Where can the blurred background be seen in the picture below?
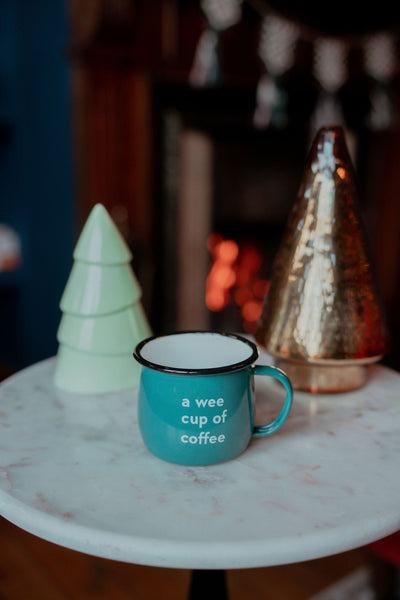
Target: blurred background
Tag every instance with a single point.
(190, 121)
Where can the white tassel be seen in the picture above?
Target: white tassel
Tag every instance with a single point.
(328, 111)
(330, 71)
(278, 39)
(205, 61)
(277, 43)
(220, 14)
(380, 64)
(330, 63)
(267, 98)
(380, 56)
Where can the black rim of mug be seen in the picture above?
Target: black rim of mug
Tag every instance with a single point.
(189, 371)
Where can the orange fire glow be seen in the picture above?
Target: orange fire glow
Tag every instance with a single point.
(234, 276)
(222, 275)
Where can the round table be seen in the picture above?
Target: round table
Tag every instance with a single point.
(74, 471)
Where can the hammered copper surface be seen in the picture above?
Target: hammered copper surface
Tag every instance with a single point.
(323, 303)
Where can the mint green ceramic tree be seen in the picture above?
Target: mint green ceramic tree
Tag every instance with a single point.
(103, 318)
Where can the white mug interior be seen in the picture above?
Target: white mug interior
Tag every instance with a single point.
(197, 351)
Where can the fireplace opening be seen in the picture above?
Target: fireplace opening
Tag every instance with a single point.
(223, 200)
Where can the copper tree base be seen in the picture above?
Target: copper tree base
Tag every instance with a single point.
(324, 379)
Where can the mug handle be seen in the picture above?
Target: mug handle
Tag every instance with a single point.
(262, 430)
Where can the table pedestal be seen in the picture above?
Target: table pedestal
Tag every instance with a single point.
(205, 583)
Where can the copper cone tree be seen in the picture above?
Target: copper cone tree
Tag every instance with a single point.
(322, 318)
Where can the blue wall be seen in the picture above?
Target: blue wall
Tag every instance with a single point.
(36, 183)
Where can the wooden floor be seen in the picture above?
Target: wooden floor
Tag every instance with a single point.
(33, 569)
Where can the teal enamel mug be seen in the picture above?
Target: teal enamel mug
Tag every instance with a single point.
(196, 397)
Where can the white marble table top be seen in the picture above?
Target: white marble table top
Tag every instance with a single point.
(74, 471)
